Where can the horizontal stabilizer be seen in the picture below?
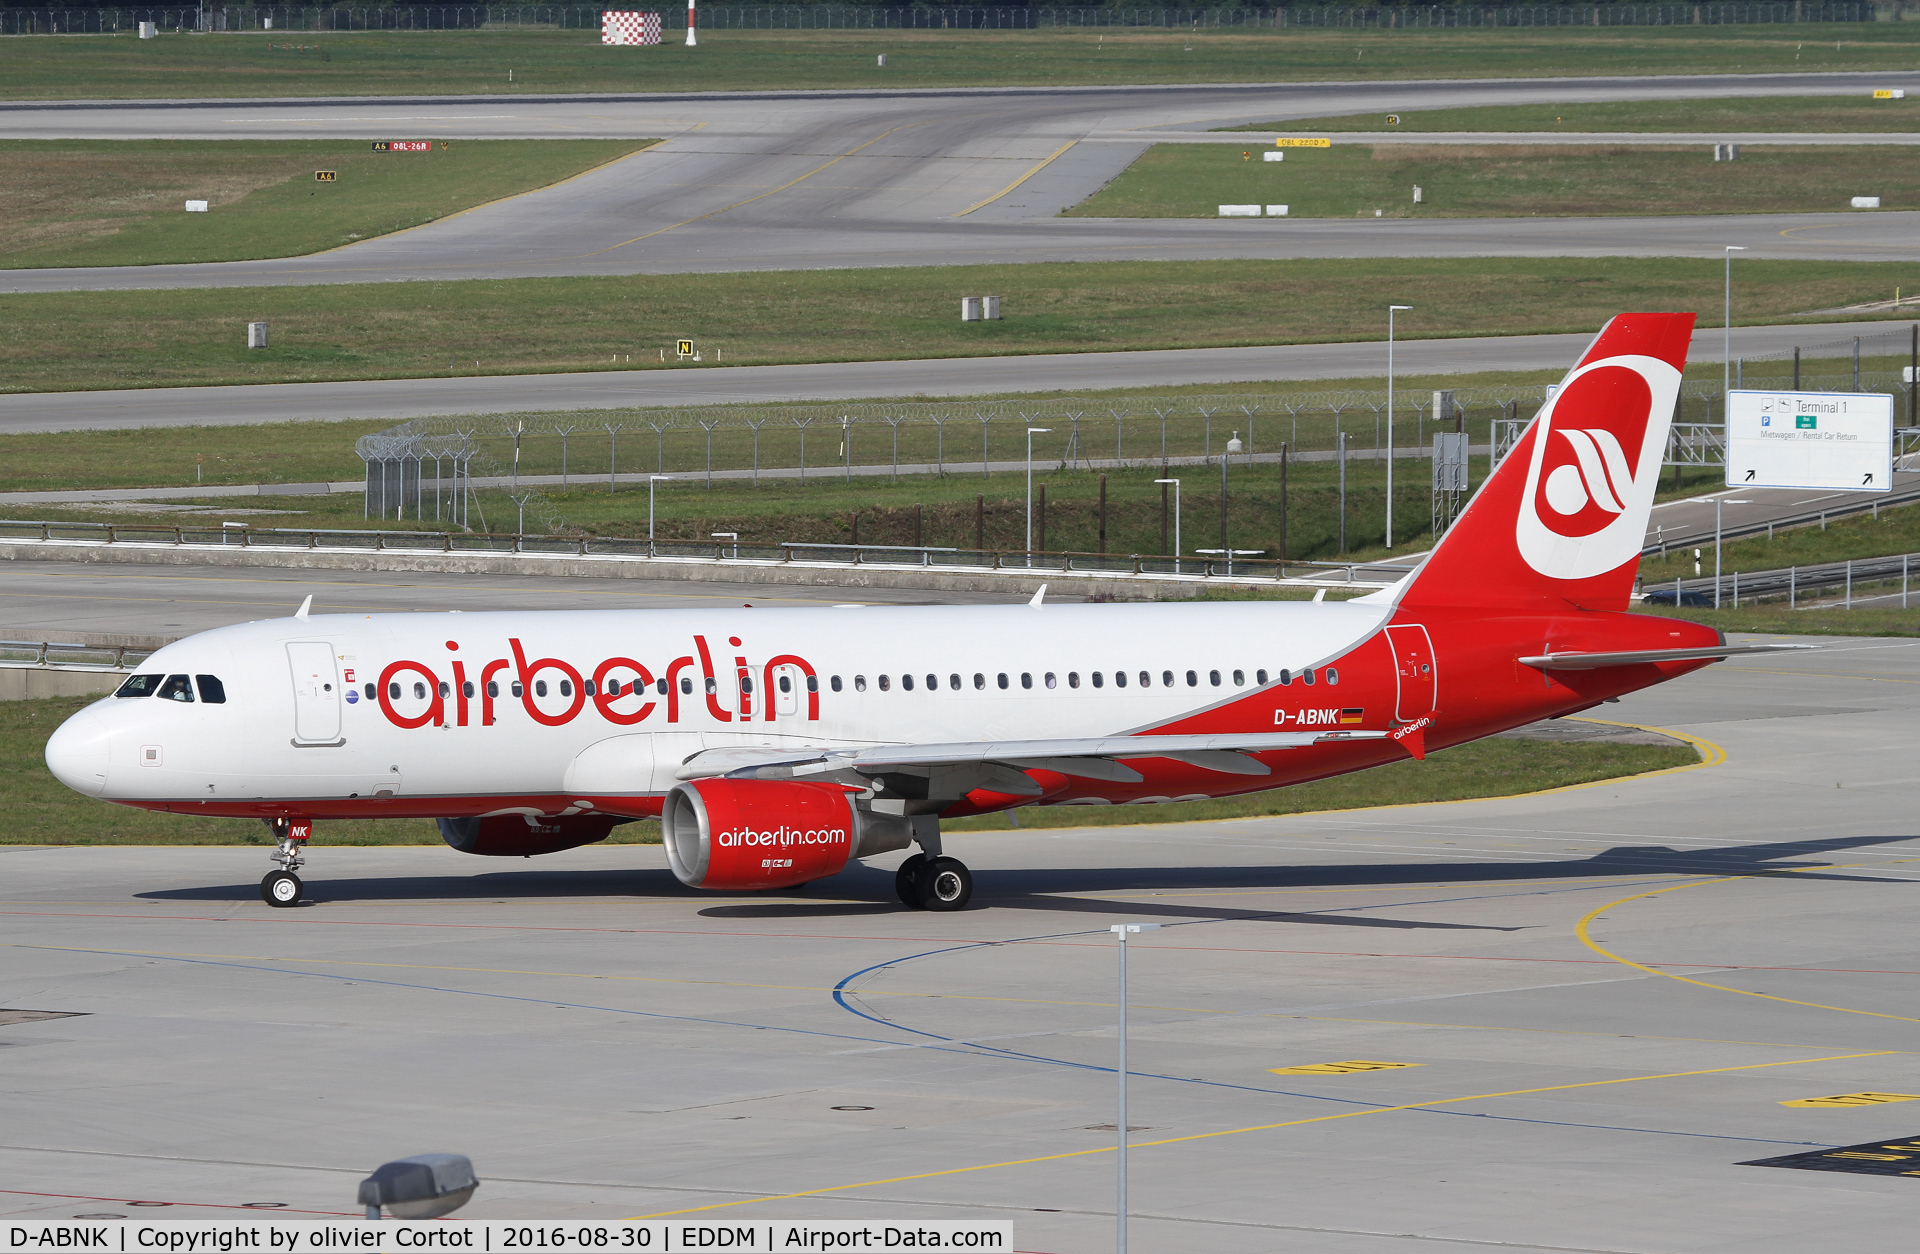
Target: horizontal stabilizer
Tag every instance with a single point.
(1638, 657)
(1097, 749)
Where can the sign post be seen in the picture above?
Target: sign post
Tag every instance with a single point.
(1787, 439)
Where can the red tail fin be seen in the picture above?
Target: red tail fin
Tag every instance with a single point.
(1563, 518)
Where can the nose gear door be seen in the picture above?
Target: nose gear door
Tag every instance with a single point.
(1414, 671)
(316, 693)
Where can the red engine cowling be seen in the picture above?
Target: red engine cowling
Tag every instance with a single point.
(744, 834)
(525, 835)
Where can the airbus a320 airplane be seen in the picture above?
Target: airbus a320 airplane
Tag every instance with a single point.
(776, 745)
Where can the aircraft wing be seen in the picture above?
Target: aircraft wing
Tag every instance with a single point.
(1635, 657)
(1094, 757)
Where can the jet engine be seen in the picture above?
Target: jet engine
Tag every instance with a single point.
(524, 835)
(744, 834)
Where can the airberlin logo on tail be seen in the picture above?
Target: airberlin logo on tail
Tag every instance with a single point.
(1595, 459)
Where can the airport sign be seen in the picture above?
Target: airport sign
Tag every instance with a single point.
(1840, 440)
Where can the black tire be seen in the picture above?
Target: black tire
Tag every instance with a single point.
(944, 884)
(281, 889)
(906, 882)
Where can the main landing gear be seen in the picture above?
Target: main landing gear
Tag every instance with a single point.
(282, 888)
(937, 883)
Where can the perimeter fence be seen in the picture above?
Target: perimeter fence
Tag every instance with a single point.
(311, 18)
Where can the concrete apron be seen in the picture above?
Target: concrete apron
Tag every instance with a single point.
(1063, 583)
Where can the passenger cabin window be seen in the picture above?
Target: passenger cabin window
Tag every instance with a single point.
(933, 683)
(1051, 681)
(1119, 679)
(393, 692)
(1286, 677)
(493, 690)
(466, 690)
(517, 689)
(176, 688)
(1001, 679)
(686, 687)
(953, 682)
(1099, 681)
(1073, 679)
(1260, 677)
(786, 684)
(859, 683)
(420, 692)
(1333, 676)
(834, 683)
(1193, 679)
(212, 691)
(1239, 677)
(813, 683)
(1026, 679)
(446, 690)
(1146, 679)
(1306, 677)
(979, 680)
(1166, 679)
(1213, 677)
(886, 682)
(906, 683)
(139, 686)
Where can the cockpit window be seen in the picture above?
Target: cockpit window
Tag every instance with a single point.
(212, 691)
(176, 688)
(139, 686)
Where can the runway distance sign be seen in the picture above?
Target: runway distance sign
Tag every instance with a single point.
(1297, 142)
(403, 145)
(1841, 440)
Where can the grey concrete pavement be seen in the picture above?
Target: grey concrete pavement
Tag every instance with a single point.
(605, 1043)
(400, 399)
(816, 180)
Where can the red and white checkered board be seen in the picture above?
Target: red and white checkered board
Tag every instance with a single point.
(629, 28)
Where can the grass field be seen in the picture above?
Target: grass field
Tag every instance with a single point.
(63, 341)
(1503, 180)
(1755, 114)
(1771, 620)
(1894, 531)
(41, 811)
(469, 62)
(117, 202)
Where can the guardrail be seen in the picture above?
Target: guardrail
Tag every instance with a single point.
(782, 553)
(53, 653)
(1793, 582)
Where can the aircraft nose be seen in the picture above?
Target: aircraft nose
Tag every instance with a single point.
(77, 753)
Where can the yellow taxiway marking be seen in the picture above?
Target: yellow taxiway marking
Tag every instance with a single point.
(1263, 1127)
(1872, 679)
(1581, 930)
(1855, 1099)
(1341, 1068)
(1023, 178)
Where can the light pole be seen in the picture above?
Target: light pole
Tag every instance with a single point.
(1031, 432)
(1176, 521)
(651, 481)
(1391, 310)
(1717, 503)
(1122, 931)
(1233, 446)
(1726, 327)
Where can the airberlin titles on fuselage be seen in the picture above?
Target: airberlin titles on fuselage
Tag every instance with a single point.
(623, 690)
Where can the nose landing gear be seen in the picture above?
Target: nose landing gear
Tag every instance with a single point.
(282, 888)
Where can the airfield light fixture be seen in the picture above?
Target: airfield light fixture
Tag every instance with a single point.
(1031, 432)
(1726, 325)
(1121, 931)
(1391, 310)
(425, 1186)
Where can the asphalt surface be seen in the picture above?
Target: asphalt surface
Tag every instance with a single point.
(400, 399)
(605, 1043)
(774, 181)
(74, 601)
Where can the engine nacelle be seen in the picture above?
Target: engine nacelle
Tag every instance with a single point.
(744, 834)
(525, 835)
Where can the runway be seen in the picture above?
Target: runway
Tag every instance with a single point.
(774, 181)
(1582, 1013)
(401, 399)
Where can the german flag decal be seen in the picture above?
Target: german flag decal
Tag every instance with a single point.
(1353, 716)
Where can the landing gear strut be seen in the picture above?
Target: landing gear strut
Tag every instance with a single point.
(282, 888)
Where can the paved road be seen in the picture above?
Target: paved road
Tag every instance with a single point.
(813, 180)
(1559, 1096)
(400, 399)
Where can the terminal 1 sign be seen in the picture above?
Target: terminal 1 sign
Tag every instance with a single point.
(1841, 440)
